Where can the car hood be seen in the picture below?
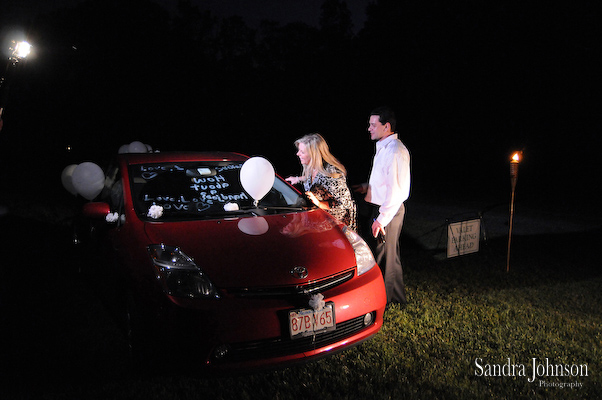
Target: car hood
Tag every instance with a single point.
(260, 251)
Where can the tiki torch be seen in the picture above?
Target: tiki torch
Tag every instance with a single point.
(514, 160)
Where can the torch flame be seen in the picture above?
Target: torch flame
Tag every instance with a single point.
(516, 157)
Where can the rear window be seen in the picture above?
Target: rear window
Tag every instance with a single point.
(193, 190)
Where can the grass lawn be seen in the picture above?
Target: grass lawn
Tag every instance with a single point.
(467, 323)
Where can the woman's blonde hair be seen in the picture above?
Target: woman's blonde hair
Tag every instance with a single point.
(320, 155)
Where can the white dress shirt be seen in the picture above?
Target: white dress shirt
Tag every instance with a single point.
(389, 184)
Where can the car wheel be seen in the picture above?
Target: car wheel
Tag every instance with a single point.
(138, 337)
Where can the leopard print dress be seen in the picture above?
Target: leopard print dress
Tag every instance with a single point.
(336, 192)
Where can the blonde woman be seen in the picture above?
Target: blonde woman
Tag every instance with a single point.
(325, 179)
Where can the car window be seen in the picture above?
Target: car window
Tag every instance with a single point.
(201, 190)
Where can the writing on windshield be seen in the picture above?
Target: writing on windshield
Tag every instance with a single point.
(191, 190)
(188, 188)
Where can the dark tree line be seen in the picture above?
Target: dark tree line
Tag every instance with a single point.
(469, 79)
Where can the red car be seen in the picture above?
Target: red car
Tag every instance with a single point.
(205, 273)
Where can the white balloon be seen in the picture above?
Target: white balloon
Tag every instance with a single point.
(257, 177)
(125, 148)
(88, 179)
(67, 178)
(138, 147)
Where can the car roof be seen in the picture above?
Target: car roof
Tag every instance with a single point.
(180, 156)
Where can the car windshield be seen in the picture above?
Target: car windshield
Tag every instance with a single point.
(197, 190)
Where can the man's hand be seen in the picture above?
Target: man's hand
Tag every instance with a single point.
(362, 188)
(377, 228)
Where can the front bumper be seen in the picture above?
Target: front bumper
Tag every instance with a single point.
(237, 332)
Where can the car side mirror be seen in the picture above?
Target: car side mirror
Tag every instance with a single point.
(96, 210)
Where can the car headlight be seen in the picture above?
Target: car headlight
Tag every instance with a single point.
(179, 274)
(363, 255)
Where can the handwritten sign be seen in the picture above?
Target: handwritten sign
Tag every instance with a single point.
(463, 237)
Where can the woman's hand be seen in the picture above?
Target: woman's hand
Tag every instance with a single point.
(313, 198)
(322, 204)
(293, 180)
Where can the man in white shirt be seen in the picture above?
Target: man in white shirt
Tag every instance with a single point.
(387, 189)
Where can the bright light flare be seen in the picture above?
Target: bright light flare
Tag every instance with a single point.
(21, 50)
(516, 157)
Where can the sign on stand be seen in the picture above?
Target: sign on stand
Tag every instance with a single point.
(463, 237)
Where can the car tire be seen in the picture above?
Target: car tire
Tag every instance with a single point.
(138, 335)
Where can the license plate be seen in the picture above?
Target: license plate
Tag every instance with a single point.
(307, 322)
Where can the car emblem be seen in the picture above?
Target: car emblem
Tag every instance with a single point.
(299, 272)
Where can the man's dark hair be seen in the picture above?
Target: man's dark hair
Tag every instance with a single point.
(385, 114)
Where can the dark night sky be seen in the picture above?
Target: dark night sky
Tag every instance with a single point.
(284, 11)
(253, 11)
(470, 82)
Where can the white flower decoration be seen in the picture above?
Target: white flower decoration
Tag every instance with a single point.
(112, 217)
(316, 301)
(155, 211)
(231, 207)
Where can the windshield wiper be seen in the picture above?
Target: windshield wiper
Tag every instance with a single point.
(233, 213)
(283, 208)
